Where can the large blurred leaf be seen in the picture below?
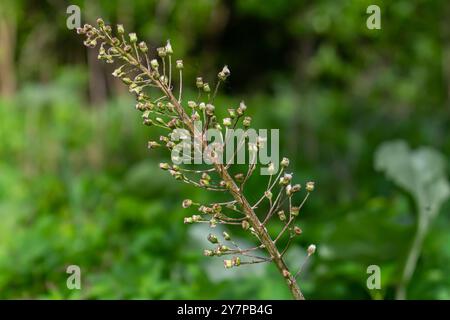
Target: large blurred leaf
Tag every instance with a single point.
(421, 172)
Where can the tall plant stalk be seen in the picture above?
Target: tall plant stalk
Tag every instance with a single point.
(140, 74)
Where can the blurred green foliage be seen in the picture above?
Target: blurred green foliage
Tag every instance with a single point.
(78, 185)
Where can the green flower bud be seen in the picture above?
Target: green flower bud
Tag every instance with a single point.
(164, 166)
(161, 52)
(120, 29)
(199, 82)
(148, 122)
(143, 47)
(224, 74)
(210, 109)
(226, 236)
(208, 253)
(100, 22)
(212, 238)
(271, 169)
(188, 220)
(153, 145)
(168, 48)
(192, 104)
(245, 225)
(284, 180)
(281, 215)
(228, 264)
(133, 37)
(247, 121)
(180, 64)
(227, 122)
(311, 250)
(285, 162)
(310, 186)
(295, 211)
(154, 64)
(206, 87)
(241, 109)
(187, 203)
(127, 81)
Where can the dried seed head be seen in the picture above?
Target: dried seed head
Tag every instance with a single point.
(241, 109)
(210, 109)
(100, 22)
(169, 49)
(161, 52)
(247, 121)
(295, 211)
(311, 249)
(288, 190)
(154, 63)
(127, 81)
(192, 104)
(297, 230)
(212, 238)
(153, 145)
(239, 177)
(286, 273)
(228, 264)
(224, 74)
(286, 179)
(285, 162)
(310, 186)
(187, 203)
(143, 47)
(164, 166)
(195, 116)
(133, 37)
(271, 169)
(227, 122)
(199, 82)
(281, 215)
(217, 208)
(120, 29)
(148, 122)
(268, 194)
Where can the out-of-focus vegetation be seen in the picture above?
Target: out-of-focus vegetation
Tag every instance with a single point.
(78, 185)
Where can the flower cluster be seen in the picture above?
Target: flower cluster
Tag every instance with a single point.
(159, 97)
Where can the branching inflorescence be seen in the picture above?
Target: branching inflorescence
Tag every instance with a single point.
(162, 105)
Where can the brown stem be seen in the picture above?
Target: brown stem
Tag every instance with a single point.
(254, 221)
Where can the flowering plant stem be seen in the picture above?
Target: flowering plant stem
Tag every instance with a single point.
(234, 190)
(148, 76)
